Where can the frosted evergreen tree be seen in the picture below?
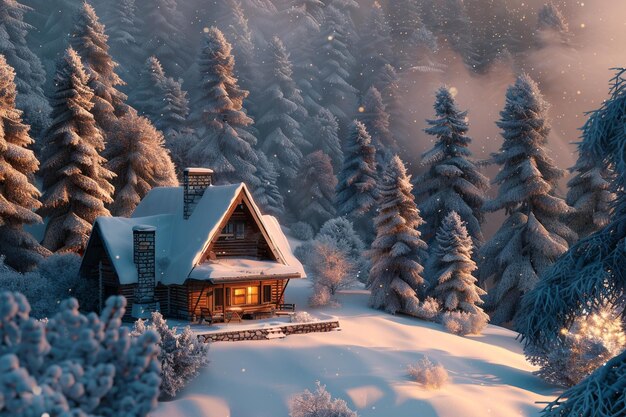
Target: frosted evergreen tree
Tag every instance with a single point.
(323, 130)
(589, 277)
(589, 195)
(374, 116)
(388, 84)
(454, 285)
(280, 109)
(533, 235)
(266, 194)
(304, 17)
(140, 161)
(374, 47)
(30, 75)
(19, 196)
(75, 182)
(312, 200)
(225, 143)
(90, 42)
(397, 252)
(123, 27)
(335, 63)
(242, 40)
(357, 188)
(453, 22)
(452, 181)
(551, 19)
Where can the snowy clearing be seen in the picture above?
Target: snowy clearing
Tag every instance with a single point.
(366, 364)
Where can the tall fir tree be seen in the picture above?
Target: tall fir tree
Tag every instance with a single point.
(225, 142)
(452, 181)
(374, 48)
(75, 182)
(357, 188)
(388, 84)
(30, 74)
(455, 286)
(141, 162)
(398, 251)
(267, 195)
(19, 196)
(313, 199)
(122, 26)
(373, 114)
(280, 111)
(589, 194)
(533, 236)
(323, 130)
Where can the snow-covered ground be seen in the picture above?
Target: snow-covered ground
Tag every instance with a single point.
(365, 364)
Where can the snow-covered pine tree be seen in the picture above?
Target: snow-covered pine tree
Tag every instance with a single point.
(452, 181)
(75, 182)
(303, 17)
(323, 130)
(312, 200)
(29, 72)
(335, 63)
(225, 143)
(357, 188)
(588, 278)
(18, 195)
(388, 84)
(533, 236)
(281, 109)
(589, 195)
(397, 252)
(266, 194)
(453, 22)
(454, 283)
(374, 116)
(122, 27)
(374, 48)
(90, 42)
(141, 162)
(551, 19)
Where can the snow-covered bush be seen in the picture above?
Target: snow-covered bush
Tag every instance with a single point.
(182, 355)
(587, 345)
(341, 231)
(426, 310)
(302, 317)
(462, 323)
(330, 269)
(430, 375)
(75, 365)
(320, 297)
(319, 404)
(302, 231)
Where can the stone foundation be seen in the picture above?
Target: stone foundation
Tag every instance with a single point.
(270, 333)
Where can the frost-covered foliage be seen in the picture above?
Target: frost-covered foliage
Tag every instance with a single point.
(589, 195)
(373, 114)
(551, 19)
(29, 73)
(323, 133)
(55, 279)
(357, 189)
(281, 109)
(374, 47)
(224, 141)
(461, 323)
(139, 159)
(266, 194)
(302, 231)
(341, 231)
(330, 269)
(319, 404)
(601, 394)
(302, 317)
(533, 236)
(397, 252)
(430, 375)
(75, 365)
(454, 284)
(182, 355)
(312, 200)
(590, 275)
(75, 182)
(588, 344)
(18, 194)
(452, 181)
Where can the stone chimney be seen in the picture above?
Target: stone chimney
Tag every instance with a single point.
(144, 243)
(195, 181)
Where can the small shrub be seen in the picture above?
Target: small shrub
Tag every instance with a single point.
(330, 269)
(320, 297)
(429, 374)
(464, 323)
(302, 317)
(319, 404)
(182, 355)
(302, 231)
(426, 310)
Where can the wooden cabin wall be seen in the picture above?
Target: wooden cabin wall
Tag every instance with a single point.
(253, 245)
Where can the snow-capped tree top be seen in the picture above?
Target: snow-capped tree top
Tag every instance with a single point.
(550, 17)
(396, 190)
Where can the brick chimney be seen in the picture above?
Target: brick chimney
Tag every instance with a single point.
(195, 181)
(144, 258)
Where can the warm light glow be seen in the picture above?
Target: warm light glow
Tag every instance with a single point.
(454, 91)
(361, 109)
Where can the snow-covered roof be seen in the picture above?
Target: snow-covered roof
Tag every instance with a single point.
(180, 243)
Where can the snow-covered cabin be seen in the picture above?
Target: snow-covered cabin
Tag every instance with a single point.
(192, 248)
